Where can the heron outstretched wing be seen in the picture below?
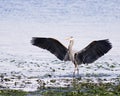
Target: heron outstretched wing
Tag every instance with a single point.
(93, 51)
(52, 45)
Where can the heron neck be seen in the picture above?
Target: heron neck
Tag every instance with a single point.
(70, 52)
(70, 45)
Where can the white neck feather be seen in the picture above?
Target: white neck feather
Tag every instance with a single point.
(70, 50)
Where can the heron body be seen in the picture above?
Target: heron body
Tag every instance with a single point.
(87, 55)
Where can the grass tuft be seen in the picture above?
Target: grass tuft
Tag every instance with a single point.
(12, 93)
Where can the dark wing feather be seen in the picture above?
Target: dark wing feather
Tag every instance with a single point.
(93, 51)
(52, 45)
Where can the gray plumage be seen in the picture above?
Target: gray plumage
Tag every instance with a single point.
(87, 55)
(52, 45)
(93, 51)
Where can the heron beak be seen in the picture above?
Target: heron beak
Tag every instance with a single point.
(67, 38)
(70, 38)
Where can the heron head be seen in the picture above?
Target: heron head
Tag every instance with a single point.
(70, 38)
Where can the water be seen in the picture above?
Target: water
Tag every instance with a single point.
(70, 11)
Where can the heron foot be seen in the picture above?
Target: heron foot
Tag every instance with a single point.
(76, 70)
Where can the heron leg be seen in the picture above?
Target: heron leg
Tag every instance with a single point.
(76, 70)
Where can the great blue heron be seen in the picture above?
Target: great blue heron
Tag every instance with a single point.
(87, 55)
